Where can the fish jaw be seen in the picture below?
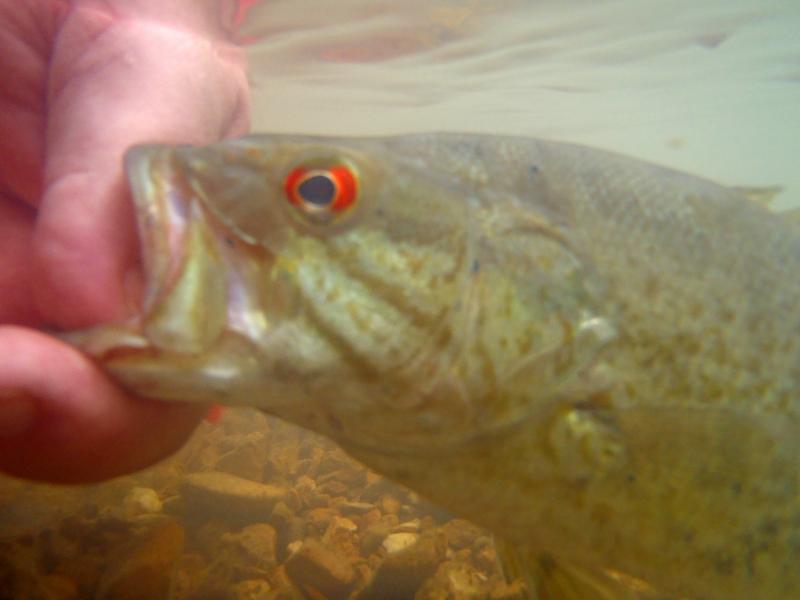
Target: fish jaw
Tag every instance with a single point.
(202, 304)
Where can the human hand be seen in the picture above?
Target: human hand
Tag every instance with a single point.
(83, 81)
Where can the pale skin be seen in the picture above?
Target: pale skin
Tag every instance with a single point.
(83, 81)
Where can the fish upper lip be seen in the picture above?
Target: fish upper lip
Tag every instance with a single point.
(194, 262)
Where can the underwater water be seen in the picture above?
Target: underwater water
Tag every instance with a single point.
(710, 88)
(251, 508)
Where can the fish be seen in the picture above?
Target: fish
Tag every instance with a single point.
(594, 357)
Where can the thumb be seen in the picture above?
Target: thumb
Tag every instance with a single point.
(115, 82)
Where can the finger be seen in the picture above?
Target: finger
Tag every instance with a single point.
(16, 287)
(25, 41)
(115, 83)
(63, 421)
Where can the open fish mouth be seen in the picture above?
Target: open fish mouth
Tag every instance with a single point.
(205, 290)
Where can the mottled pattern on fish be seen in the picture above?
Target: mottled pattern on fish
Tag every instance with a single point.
(596, 358)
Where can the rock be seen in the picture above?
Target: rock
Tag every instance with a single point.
(407, 512)
(203, 459)
(317, 569)
(352, 476)
(229, 497)
(351, 507)
(369, 518)
(292, 500)
(142, 501)
(342, 537)
(250, 589)
(318, 519)
(389, 505)
(344, 524)
(320, 500)
(373, 536)
(376, 487)
(454, 581)
(400, 574)
(253, 549)
(283, 588)
(306, 489)
(334, 488)
(244, 555)
(144, 570)
(460, 533)
(427, 522)
(412, 526)
(395, 542)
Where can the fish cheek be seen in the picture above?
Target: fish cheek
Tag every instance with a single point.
(192, 314)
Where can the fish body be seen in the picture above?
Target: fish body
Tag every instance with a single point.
(596, 358)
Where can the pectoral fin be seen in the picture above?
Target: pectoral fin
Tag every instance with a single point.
(549, 578)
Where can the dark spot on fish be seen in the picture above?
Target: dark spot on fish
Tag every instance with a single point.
(402, 474)
(533, 170)
(546, 563)
(688, 537)
(229, 242)
(309, 419)
(631, 478)
(334, 422)
(736, 488)
(475, 266)
(770, 528)
(724, 564)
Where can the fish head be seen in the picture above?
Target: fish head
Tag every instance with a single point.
(334, 283)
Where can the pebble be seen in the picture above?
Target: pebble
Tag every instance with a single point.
(253, 549)
(461, 533)
(355, 507)
(316, 568)
(230, 497)
(395, 542)
(389, 505)
(334, 530)
(142, 501)
(401, 573)
(412, 526)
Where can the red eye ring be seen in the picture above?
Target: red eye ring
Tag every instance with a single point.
(334, 189)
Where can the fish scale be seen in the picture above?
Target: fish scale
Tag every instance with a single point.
(594, 357)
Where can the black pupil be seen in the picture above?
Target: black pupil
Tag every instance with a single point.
(318, 190)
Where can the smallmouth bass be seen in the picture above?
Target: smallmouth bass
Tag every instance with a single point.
(596, 358)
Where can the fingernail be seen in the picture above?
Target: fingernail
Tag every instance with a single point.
(17, 413)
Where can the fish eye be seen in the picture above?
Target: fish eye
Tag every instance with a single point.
(322, 192)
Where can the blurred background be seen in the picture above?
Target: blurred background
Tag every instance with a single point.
(712, 88)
